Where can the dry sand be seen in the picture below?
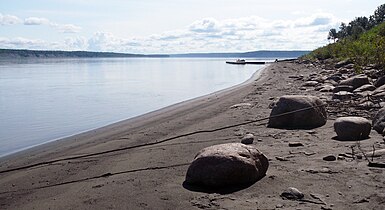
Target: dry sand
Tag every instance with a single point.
(151, 177)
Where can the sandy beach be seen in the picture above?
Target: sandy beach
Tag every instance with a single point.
(141, 163)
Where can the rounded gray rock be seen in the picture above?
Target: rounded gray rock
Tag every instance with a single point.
(248, 139)
(298, 111)
(356, 81)
(292, 193)
(329, 158)
(352, 128)
(227, 165)
(379, 121)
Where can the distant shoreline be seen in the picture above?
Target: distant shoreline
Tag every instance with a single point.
(25, 54)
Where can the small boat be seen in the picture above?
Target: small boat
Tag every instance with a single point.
(238, 61)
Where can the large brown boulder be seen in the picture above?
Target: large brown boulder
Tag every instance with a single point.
(227, 165)
(379, 121)
(352, 128)
(356, 81)
(298, 111)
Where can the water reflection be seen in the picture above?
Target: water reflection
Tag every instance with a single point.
(45, 99)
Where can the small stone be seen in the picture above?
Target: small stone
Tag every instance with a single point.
(364, 200)
(281, 159)
(248, 139)
(327, 88)
(363, 88)
(295, 144)
(310, 83)
(279, 206)
(342, 95)
(241, 105)
(329, 158)
(311, 132)
(292, 193)
(346, 88)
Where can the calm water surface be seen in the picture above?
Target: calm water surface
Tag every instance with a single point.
(49, 99)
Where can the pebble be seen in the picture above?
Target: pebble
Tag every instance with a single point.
(295, 144)
(281, 159)
(311, 132)
(248, 139)
(240, 105)
(279, 206)
(329, 158)
(292, 193)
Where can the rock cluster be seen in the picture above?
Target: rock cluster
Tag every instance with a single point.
(366, 89)
(350, 94)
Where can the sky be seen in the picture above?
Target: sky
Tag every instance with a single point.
(174, 26)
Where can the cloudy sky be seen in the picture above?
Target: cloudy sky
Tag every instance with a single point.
(174, 26)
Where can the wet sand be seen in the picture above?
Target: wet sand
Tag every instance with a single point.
(139, 164)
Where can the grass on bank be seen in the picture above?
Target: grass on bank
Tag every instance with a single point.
(368, 48)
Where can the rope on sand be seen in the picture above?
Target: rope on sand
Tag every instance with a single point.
(157, 142)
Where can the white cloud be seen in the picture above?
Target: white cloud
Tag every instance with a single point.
(22, 43)
(207, 25)
(211, 35)
(9, 20)
(68, 28)
(63, 28)
(76, 43)
(320, 19)
(206, 35)
(36, 21)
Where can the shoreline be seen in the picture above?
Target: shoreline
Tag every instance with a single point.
(144, 172)
(52, 143)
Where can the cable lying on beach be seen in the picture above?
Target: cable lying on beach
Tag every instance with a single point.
(158, 142)
(102, 176)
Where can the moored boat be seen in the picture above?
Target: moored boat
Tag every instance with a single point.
(238, 61)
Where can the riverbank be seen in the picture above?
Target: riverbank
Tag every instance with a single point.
(78, 173)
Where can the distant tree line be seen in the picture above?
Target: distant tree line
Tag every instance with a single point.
(358, 26)
(16, 53)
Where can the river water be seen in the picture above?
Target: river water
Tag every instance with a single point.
(46, 99)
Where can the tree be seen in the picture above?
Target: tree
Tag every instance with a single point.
(343, 31)
(333, 34)
(379, 15)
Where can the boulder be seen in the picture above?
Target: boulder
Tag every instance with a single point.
(303, 112)
(379, 121)
(227, 165)
(380, 81)
(352, 128)
(356, 81)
